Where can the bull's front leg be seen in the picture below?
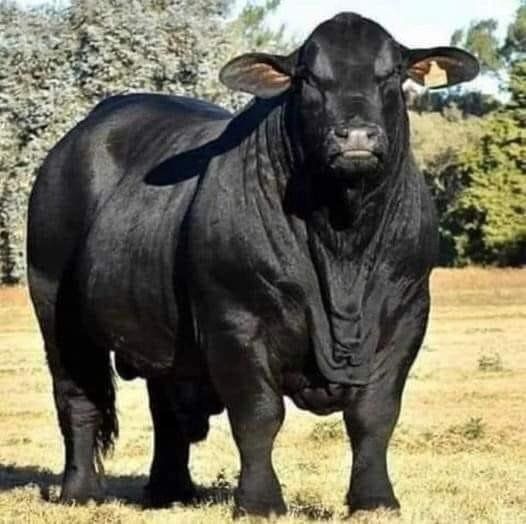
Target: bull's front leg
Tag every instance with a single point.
(370, 421)
(255, 409)
(373, 412)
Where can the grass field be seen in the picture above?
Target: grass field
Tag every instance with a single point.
(458, 454)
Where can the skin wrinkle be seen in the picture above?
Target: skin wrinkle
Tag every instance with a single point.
(337, 313)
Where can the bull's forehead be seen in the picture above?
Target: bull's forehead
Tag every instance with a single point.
(349, 42)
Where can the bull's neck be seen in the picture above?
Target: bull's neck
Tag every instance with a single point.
(347, 228)
(345, 225)
(345, 219)
(344, 228)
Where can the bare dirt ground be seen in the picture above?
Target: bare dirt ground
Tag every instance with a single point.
(458, 454)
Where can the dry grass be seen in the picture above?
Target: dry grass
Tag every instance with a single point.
(458, 455)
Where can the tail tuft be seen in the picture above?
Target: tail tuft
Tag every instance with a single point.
(108, 431)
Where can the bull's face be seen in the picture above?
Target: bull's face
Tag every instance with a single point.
(345, 90)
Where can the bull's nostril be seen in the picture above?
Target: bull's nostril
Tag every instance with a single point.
(341, 131)
(372, 133)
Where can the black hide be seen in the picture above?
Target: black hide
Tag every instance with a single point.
(234, 259)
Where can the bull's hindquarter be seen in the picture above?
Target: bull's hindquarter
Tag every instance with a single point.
(258, 302)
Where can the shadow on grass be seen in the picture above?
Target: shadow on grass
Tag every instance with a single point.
(124, 488)
(129, 489)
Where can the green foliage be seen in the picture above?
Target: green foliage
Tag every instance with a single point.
(516, 38)
(517, 88)
(438, 141)
(251, 26)
(481, 40)
(475, 169)
(478, 174)
(491, 211)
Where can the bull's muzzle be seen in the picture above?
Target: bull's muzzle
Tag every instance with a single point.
(357, 149)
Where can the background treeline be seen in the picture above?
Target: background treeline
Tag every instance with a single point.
(56, 63)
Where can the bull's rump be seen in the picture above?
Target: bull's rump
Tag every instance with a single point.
(119, 240)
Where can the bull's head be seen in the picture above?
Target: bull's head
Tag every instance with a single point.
(344, 87)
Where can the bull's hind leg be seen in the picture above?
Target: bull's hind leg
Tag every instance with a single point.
(84, 399)
(170, 479)
(83, 392)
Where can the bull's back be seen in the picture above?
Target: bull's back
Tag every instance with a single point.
(106, 214)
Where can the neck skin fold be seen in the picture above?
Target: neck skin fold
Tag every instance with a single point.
(346, 225)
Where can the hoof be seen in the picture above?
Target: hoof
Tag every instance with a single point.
(164, 495)
(81, 491)
(259, 507)
(373, 503)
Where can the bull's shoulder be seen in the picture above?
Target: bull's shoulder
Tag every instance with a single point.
(127, 137)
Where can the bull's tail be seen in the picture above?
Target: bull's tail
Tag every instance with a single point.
(108, 430)
(91, 370)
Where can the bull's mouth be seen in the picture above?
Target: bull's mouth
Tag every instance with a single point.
(358, 154)
(349, 162)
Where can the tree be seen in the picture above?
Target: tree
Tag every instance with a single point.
(476, 167)
(487, 219)
(481, 40)
(490, 212)
(515, 43)
(438, 142)
(34, 82)
(251, 28)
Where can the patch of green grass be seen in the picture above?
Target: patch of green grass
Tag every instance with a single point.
(471, 430)
(451, 439)
(491, 362)
(328, 430)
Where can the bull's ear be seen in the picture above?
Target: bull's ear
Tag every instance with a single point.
(260, 74)
(441, 66)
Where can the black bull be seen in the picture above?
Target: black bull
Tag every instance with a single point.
(232, 260)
